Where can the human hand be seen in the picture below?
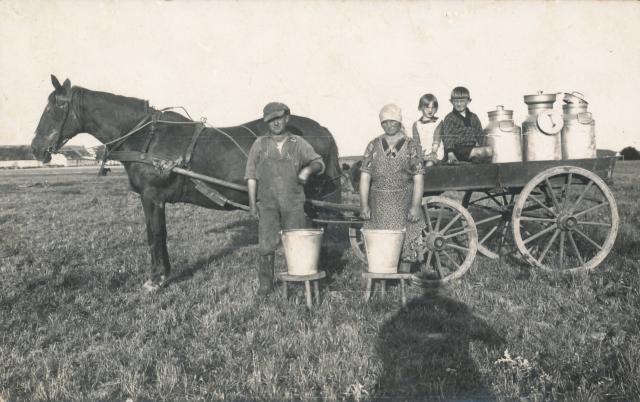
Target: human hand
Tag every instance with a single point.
(303, 176)
(365, 212)
(414, 214)
(451, 158)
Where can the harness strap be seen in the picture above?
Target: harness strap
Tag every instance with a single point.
(249, 130)
(232, 140)
(197, 130)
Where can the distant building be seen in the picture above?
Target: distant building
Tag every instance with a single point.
(78, 155)
(17, 157)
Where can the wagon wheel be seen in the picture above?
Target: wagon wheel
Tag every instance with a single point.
(357, 242)
(449, 241)
(492, 211)
(571, 218)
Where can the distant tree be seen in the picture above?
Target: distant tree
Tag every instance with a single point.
(630, 154)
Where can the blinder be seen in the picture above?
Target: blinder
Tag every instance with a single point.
(61, 109)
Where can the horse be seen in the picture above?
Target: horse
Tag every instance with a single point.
(151, 142)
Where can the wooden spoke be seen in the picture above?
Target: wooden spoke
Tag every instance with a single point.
(566, 190)
(457, 247)
(438, 265)
(604, 204)
(437, 227)
(429, 256)
(489, 219)
(454, 220)
(493, 229)
(561, 254)
(548, 246)
(494, 200)
(607, 225)
(542, 205)
(584, 192)
(426, 212)
(451, 259)
(540, 233)
(487, 208)
(575, 247)
(468, 230)
(587, 238)
(551, 194)
(535, 218)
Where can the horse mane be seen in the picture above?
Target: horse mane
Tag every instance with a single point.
(129, 102)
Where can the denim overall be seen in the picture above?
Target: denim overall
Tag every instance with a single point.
(280, 195)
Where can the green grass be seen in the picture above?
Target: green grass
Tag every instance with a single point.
(75, 325)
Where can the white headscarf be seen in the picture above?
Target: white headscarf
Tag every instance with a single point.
(391, 112)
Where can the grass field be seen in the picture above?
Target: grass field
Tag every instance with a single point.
(75, 325)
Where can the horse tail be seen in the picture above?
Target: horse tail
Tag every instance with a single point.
(332, 163)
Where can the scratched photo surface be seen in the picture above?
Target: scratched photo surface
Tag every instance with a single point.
(76, 323)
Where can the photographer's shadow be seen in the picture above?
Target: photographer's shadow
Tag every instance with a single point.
(426, 354)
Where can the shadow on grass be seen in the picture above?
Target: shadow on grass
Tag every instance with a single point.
(425, 351)
(241, 233)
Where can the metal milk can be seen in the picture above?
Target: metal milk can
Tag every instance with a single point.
(541, 129)
(503, 136)
(579, 131)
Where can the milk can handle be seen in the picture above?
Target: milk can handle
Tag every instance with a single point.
(585, 117)
(581, 95)
(506, 125)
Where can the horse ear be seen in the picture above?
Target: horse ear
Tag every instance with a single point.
(66, 85)
(56, 83)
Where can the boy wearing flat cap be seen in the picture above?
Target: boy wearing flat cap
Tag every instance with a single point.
(278, 166)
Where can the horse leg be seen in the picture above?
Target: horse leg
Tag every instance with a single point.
(157, 240)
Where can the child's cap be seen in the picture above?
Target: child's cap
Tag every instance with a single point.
(426, 100)
(460, 93)
(390, 112)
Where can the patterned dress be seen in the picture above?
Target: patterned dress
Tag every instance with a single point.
(392, 170)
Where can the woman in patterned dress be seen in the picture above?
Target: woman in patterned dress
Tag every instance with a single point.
(391, 183)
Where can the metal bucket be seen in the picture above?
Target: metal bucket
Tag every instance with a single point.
(383, 249)
(301, 250)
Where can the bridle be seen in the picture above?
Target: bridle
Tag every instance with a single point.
(62, 109)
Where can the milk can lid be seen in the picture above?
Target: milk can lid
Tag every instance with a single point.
(500, 112)
(539, 98)
(575, 98)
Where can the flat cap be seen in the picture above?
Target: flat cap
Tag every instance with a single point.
(274, 110)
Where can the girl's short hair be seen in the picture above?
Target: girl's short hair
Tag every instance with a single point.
(460, 92)
(426, 100)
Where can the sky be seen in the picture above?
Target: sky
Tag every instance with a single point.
(337, 62)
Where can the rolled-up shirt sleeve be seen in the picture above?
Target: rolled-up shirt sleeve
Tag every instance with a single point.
(252, 161)
(368, 158)
(307, 154)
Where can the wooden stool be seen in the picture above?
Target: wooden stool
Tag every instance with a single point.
(383, 277)
(286, 278)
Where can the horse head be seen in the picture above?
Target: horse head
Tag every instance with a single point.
(58, 124)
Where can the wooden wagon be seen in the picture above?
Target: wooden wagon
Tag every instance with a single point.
(556, 215)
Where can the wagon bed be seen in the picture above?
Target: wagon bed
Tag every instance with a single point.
(556, 215)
